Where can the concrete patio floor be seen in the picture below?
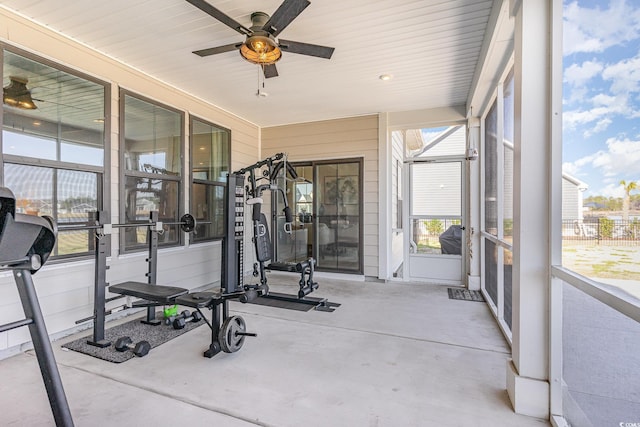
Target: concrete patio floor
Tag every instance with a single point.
(394, 354)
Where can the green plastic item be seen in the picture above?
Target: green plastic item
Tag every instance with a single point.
(171, 311)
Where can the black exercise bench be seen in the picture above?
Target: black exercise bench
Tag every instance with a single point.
(151, 295)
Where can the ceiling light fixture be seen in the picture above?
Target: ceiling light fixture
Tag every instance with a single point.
(17, 95)
(260, 47)
(261, 50)
(385, 77)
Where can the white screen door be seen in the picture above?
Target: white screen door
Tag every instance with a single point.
(436, 241)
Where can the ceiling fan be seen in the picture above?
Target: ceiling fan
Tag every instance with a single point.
(261, 45)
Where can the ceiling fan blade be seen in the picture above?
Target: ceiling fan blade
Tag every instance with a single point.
(219, 49)
(270, 71)
(306, 49)
(220, 16)
(286, 13)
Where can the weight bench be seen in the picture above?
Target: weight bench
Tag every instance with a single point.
(224, 336)
(153, 295)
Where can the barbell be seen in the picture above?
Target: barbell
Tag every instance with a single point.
(187, 224)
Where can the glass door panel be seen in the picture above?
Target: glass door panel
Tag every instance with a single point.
(326, 202)
(437, 238)
(297, 245)
(338, 213)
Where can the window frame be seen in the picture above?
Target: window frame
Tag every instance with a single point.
(208, 183)
(498, 239)
(103, 189)
(124, 173)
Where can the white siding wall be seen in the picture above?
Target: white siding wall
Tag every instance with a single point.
(66, 290)
(571, 200)
(337, 139)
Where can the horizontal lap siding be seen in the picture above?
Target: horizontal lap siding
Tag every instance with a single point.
(355, 137)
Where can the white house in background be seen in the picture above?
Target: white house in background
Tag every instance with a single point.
(572, 204)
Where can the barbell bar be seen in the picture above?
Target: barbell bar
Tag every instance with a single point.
(187, 224)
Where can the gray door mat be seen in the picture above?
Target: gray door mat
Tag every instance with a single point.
(465, 294)
(137, 331)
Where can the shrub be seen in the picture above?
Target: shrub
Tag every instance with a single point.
(606, 227)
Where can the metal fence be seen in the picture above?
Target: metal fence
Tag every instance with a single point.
(602, 231)
(427, 231)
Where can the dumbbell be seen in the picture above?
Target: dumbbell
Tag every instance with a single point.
(181, 321)
(140, 348)
(169, 320)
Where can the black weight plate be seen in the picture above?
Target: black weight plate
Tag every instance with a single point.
(187, 223)
(230, 340)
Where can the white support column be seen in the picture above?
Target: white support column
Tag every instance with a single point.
(473, 209)
(555, 214)
(384, 198)
(527, 373)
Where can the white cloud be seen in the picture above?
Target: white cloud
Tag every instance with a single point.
(620, 160)
(570, 168)
(601, 126)
(573, 119)
(578, 75)
(624, 75)
(594, 30)
(605, 106)
(613, 189)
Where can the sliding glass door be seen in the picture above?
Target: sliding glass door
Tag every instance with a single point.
(326, 200)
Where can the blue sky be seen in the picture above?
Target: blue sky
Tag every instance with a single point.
(601, 99)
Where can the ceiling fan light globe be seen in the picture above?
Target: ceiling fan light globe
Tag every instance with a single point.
(260, 50)
(17, 95)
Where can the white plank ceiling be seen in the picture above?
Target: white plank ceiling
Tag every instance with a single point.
(431, 47)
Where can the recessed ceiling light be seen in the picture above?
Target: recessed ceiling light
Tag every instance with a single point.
(202, 148)
(385, 77)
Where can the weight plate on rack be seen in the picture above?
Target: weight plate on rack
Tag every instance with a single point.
(231, 335)
(187, 223)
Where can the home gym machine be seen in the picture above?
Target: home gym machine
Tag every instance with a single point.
(269, 169)
(26, 241)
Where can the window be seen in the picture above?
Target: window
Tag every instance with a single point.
(151, 168)
(491, 170)
(210, 164)
(53, 144)
(498, 201)
(507, 146)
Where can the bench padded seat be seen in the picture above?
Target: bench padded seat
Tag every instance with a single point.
(199, 299)
(155, 293)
